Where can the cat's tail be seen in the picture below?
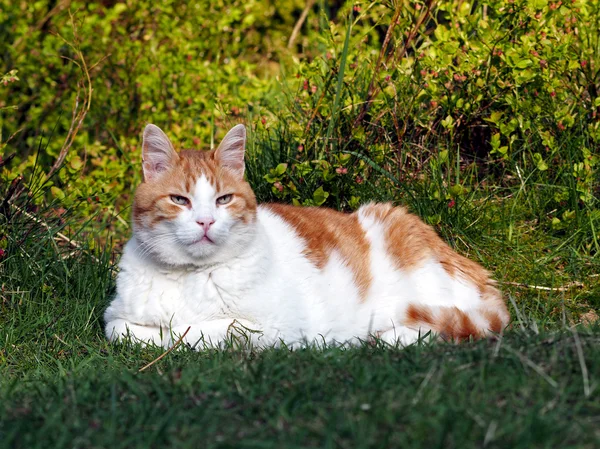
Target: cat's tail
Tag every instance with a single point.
(454, 324)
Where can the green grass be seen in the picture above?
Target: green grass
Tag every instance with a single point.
(516, 392)
(62, 385)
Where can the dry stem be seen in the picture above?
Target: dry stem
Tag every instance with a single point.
(298, 26)
(564, 288)
(78, 114)
(177, 343)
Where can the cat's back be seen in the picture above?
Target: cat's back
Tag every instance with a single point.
(374, 227)
(380, 246)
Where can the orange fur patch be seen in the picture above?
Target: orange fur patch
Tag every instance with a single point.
(493, 317)
(325, 231)
(452, 323)
(418, 315)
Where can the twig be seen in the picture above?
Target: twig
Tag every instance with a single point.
(14, 184)
(12, 136)
(57, 9)
(61, 340)
(298, 26)
(78, 115)
(386, 41)
(372, 90)
(415, 29)
(564, 288)
(316, 110)
(177, 343)
(9, 158)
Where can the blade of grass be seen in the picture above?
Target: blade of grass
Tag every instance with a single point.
(340, 80)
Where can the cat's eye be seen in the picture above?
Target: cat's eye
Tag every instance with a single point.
(180, 200)
(224, 199)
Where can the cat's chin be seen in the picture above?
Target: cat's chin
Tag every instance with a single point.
(187, 259)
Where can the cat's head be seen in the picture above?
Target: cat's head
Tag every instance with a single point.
(193, 207)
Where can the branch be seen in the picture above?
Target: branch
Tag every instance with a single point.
(298, 26)
(373, 88)
(78, 115)
(59, 235)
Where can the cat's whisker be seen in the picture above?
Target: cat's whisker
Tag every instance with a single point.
(148, 246)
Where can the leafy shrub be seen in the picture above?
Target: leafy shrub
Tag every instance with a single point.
(428, 101)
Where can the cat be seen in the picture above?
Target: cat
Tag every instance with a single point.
(208, 264)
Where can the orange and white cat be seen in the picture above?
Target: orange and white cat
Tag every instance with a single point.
(204, 256)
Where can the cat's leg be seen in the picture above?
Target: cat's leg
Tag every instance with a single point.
(215, 333)
(401, 335)
(119, 330)
(218, 333)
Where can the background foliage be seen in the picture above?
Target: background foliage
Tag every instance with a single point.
(367, 93)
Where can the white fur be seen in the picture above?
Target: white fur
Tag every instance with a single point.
(255, 281)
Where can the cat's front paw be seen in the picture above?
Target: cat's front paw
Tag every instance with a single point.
(124, 331)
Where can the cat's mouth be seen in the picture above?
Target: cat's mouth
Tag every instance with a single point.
(204, 239)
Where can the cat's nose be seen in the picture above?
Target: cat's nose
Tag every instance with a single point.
(206, 223)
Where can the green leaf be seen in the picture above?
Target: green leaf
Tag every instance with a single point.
(457, 190)
(280, 169)
(434, 220)
(448, 122)
(57, 193)
(523, 63)
(539, 162)
(568, 215)
(443, 156)
(556, 223)
(441, 33)
(495, 142)
(494, 117)
(320, 196)
(76, 163)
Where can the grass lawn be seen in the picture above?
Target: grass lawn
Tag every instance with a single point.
(62, 385)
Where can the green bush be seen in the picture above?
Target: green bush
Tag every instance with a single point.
(368, 101)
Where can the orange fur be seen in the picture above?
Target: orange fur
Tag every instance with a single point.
(325, 230)
(450, 323)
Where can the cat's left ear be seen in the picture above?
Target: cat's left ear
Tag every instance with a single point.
(230, 153)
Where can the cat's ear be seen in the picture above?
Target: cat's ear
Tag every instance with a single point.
(230, 153)
(158, 154)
